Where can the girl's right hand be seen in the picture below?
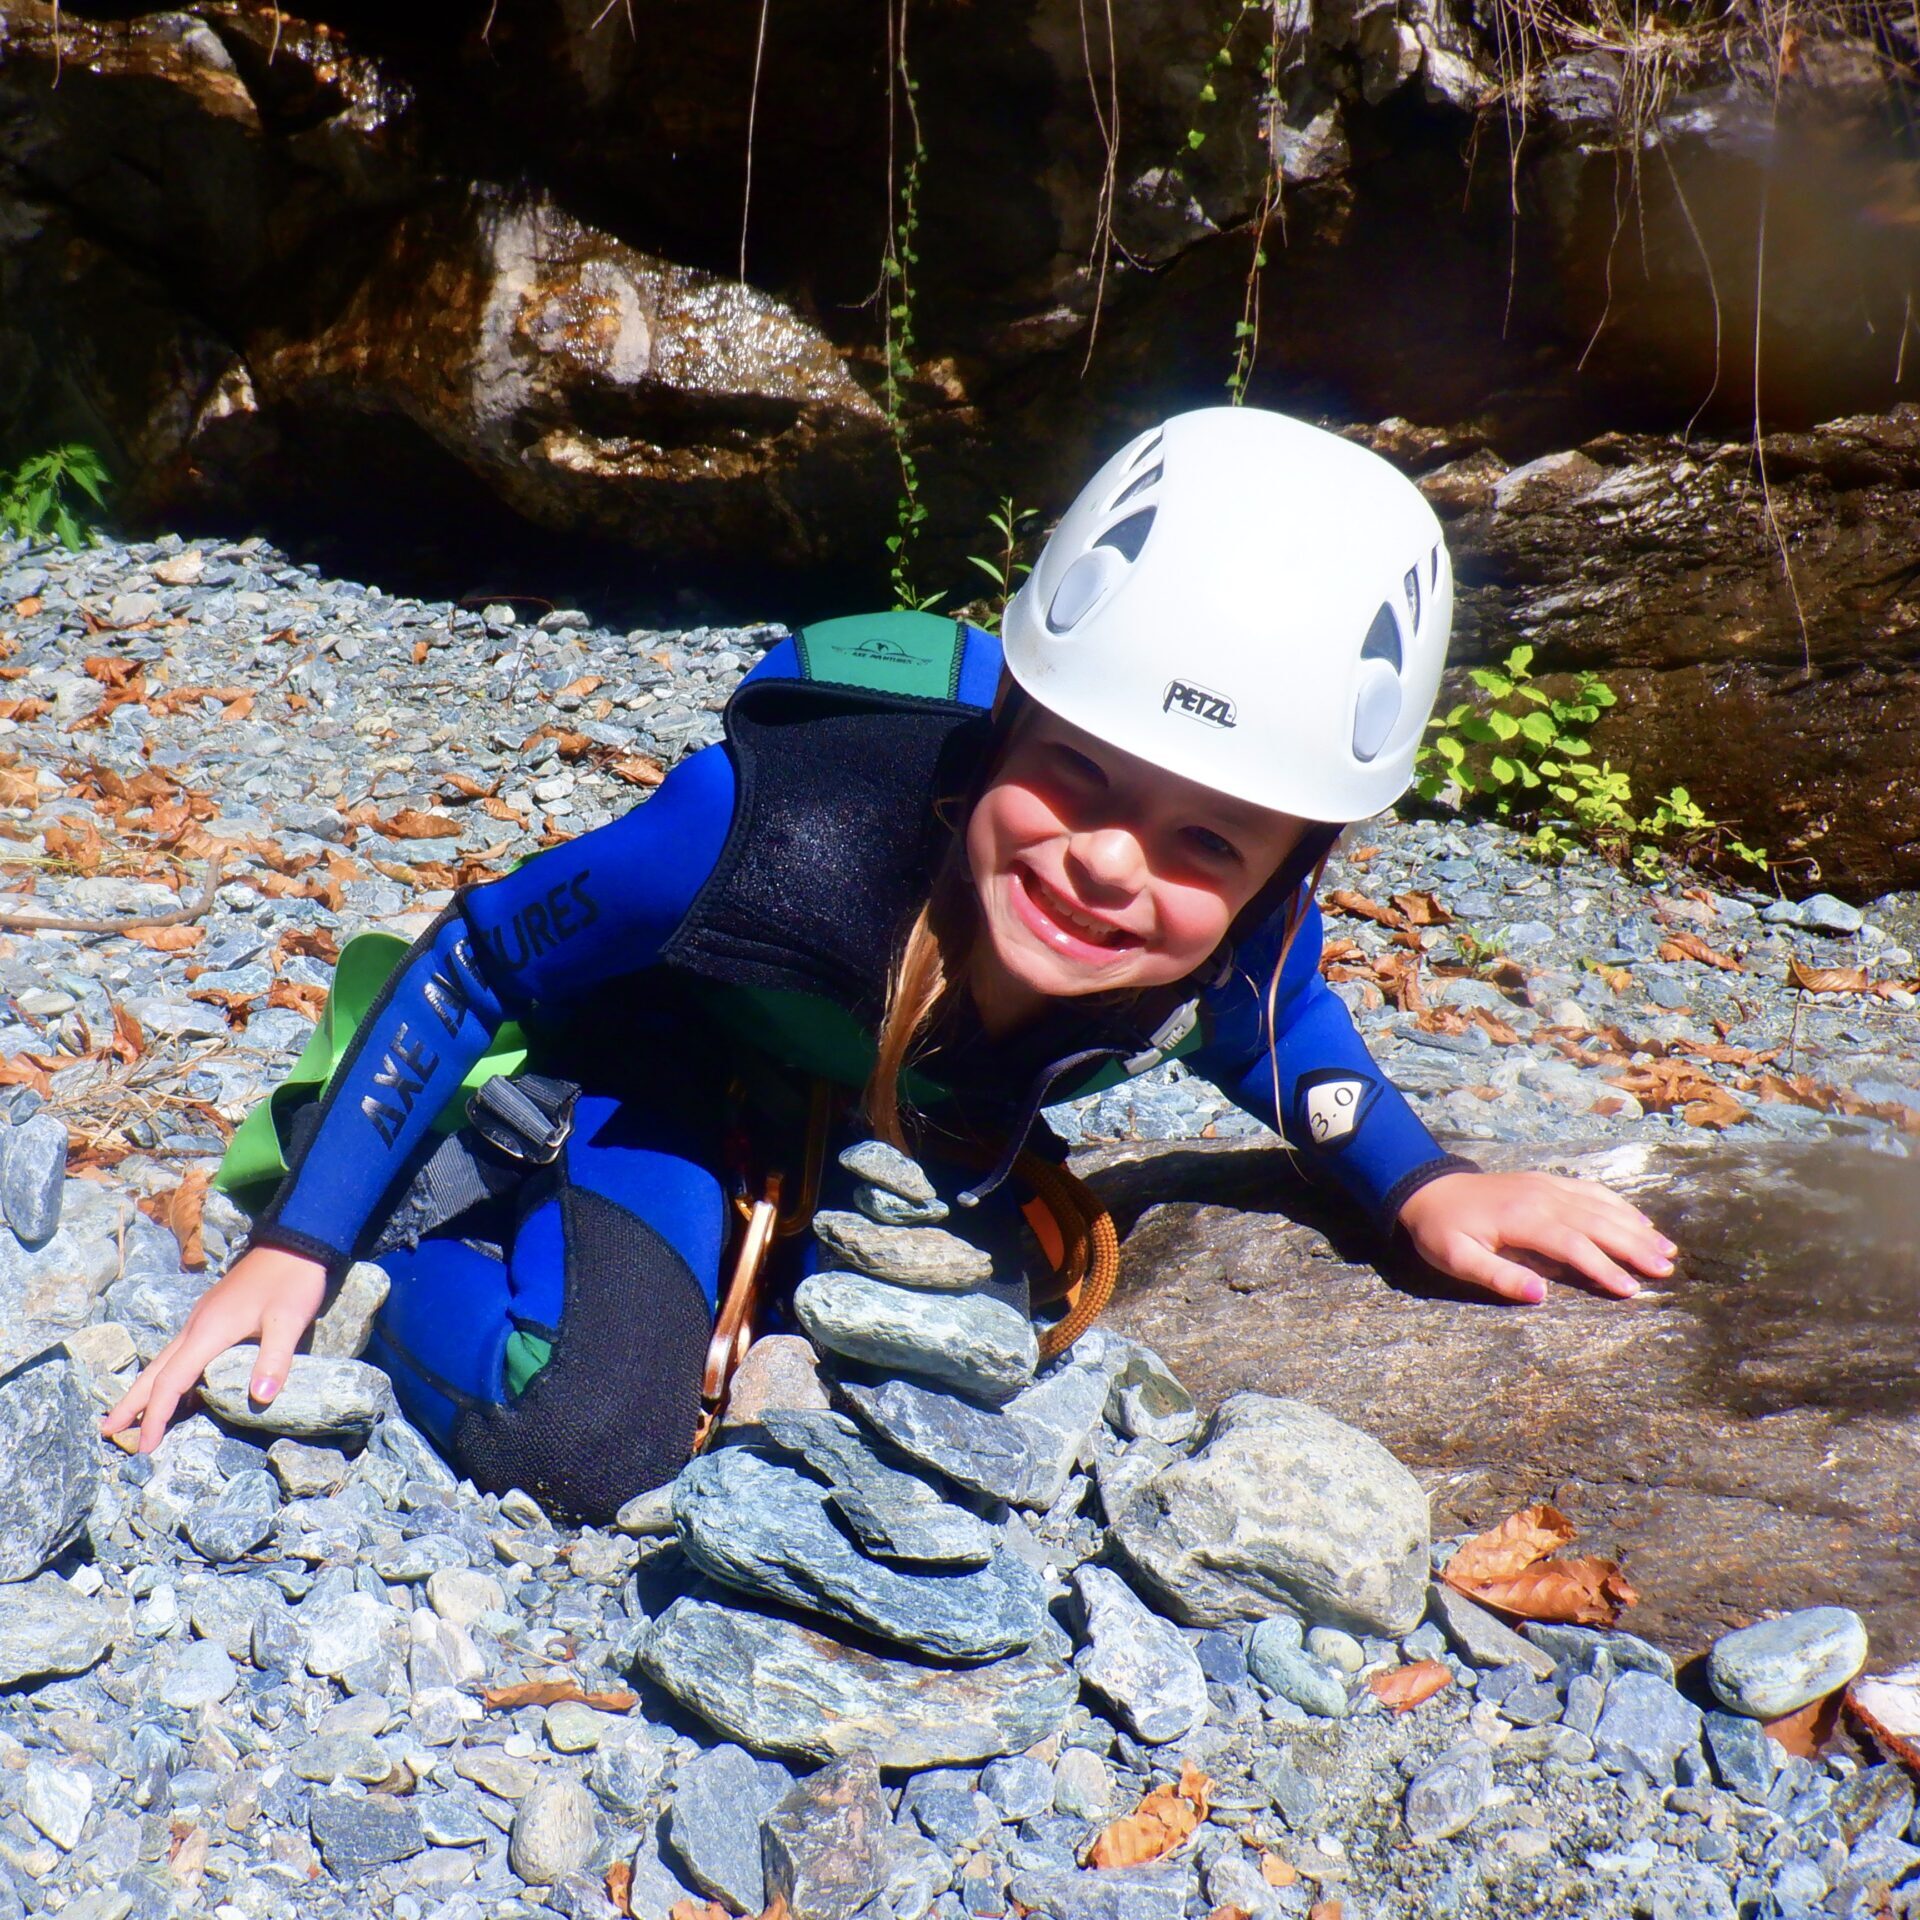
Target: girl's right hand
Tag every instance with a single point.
(267, 1295)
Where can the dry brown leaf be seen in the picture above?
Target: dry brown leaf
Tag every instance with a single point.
(128, 1042)
(28, 607)
(463, 786)
(552, 1693)
(1723, 1055)
(18, 787)
(1826, 979)
(1804, 1733)
(302, 996)
(1718, 1110)
(166, 939)
(412, 824)
(1496, 1028)
(1423, 909)
(1660, 1084)
(1403, 1688)
(23, 1070)
(1324, 1910)
(112, 670)
(586, 684)
(1608, 1104)
(1516, 1543)
(637, 770)
(1345, 900)
(497, 809)
(26, 708)
(1230, 1913)
(420, 652)
(1681, 945)
(1277, 1872)
(620, 1887)
(1585, 1592)
(82, 850)
(179, 1212)
(698, 1910)
(312, 943)
(1162, 1821)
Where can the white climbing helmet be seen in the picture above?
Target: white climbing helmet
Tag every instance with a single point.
(1247, 601)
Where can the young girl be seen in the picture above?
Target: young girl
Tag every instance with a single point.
(967, 885)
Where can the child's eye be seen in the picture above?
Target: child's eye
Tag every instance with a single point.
(1215, 846)
(1073, 761)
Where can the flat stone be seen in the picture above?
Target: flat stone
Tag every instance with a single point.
(460, 1595)
(894, 1515)
(761, 1525)
(1824, 913)
(1776, 1667)
(975, 1447)
(1283, 1506)
(57, 1800)
(243, 1515)
(573, 1727)
(1083, 1785)
(104, 1347)
(719, 1801)
(973, 1342)
(827, 1846)
(343, 1330)
(1645, 1727)
(553, 1832)
(929, 1257)
(199, 1675)
(889, 1210)
(627, 1765)
(357, 1834)
(52, 1450)
(1058, 1415)
(1481, 1638)
(1591, 1650)
(1118, 1893)
(1019, 1786)
(333, 1757)
(780, 1372)
(33, 1175)
(318, 1400)
(779, 1687)
(1276, 1659)
(1138, 1661)
(48, 1629)
(1780, 1361)
(889, 1169)
(1444, 1799)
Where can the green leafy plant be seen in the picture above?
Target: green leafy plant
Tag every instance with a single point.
(897, 341)
(49, 494)
(1004, 568)
(1525, 756)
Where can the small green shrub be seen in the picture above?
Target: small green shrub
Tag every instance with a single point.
(1525, 756)
(1004, 568)
(49, 494)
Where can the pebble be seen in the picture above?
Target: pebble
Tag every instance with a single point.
(780, 1373)
(1083, 1785)
(357, 1834)
(977, 1448)
(57, 1800)
(1776, 1667)
(827, 1845)
(1645, 1727)
(318, 1400)
(199, 1675)
(1446, 1797)
(1138, 1661)
(33, 1177)
(553, 1832)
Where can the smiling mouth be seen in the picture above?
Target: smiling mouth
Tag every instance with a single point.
(1069, 919)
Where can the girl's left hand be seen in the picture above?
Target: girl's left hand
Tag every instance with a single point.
(1466, 1223)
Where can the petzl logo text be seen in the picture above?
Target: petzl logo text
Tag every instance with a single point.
(1214, 708)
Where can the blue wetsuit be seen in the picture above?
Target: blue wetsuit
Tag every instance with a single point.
(761, 889)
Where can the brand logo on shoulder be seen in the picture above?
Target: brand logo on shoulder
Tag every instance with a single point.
(1214, 708)
(887, 651)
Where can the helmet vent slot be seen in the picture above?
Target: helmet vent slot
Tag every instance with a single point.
(1433, 568)
(1412, 585)
(1383, 639)
(1148, 479)
(1148, 449)
(1128, 536)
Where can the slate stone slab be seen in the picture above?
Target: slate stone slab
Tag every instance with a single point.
(1119, 1893)
(239, 1520)
(1645, 1727)
(33, 1172)
(827, 1846)
(759, 1524)
(51, 1452)
(917, 1256)
(318, 1400)
(970, 1341)
(356, 1835)
(1447, 1795)
(1059, 1412)
(894, 1515)
(780, 1687)
(719, 1800)
(975, 1447)
(1138, 1661)
(48, 1629)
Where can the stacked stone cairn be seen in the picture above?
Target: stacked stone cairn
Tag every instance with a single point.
(924, 1622)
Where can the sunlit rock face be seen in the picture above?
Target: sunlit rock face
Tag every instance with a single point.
(1746, 1435)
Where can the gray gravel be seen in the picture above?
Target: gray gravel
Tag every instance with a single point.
(252, 1682)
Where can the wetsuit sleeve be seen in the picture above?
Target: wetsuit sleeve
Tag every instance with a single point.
(1319, 1086)
(575, 917)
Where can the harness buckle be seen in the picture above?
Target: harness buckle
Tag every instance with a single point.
(527, 1119)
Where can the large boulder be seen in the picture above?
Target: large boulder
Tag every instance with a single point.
(1283, 1508)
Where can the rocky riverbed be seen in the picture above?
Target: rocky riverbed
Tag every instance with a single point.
(266, 1669)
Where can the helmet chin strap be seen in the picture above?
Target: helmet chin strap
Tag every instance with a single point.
(1315, 844)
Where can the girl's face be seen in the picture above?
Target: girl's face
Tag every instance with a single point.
(1098, 872)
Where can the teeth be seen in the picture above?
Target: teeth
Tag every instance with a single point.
(1103, 935)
